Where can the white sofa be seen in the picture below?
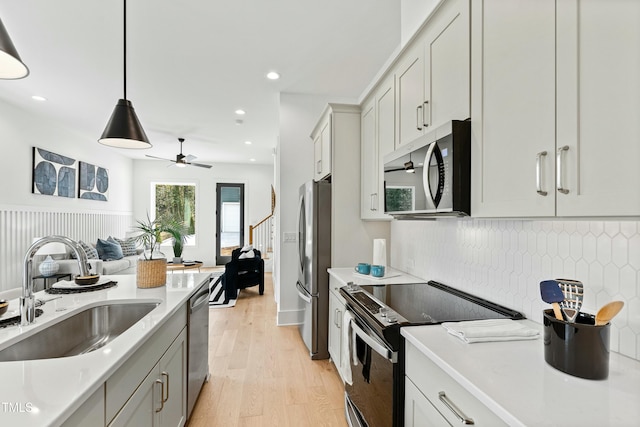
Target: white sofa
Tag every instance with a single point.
(126, 265)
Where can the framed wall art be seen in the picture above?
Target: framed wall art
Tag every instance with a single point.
(94, 182)
(53, 174)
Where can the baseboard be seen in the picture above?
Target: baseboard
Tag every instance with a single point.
(289, 317)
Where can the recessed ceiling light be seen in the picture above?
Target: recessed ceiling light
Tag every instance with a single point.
(252, 160)
(248, 142)
(273, 75)
(38, 98)
(240, 112)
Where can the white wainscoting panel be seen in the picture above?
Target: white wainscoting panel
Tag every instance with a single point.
(18, 228)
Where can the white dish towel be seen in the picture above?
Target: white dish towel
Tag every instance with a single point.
(347, 347)
(491, 330)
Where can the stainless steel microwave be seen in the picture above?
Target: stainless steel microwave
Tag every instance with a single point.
(430, 176)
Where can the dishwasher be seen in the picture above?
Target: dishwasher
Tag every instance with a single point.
(198, 342)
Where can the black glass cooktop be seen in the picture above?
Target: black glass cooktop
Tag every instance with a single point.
(432, 302)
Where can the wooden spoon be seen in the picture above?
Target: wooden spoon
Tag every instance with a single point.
(608, 312)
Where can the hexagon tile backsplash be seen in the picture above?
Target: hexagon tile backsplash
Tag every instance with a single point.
(505, 261)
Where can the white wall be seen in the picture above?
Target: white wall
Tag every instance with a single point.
(413, 13)
(24, 215)
(257, 180)
(20, 131)
(294, 166)
(505, 261)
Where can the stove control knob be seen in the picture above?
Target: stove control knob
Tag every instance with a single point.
(391, 318)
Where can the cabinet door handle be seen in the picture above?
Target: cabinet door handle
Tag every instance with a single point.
(425, 120)
(559, 183)
(164, 399)
(539, 157)
(453, 408)
(418, 117)
(338, 315)
(373, 201)
(161, 394)
(319, 166)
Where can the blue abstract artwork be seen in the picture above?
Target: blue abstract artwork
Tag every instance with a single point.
(53, 174)
(94, 182)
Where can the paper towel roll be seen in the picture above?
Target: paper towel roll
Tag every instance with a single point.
(380, 252)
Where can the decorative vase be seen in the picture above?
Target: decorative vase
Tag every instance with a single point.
(48, 267)
(177, 260)
(151, 273)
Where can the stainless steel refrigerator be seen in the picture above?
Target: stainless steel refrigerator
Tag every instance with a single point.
(314, 258)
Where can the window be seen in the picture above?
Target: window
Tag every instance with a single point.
(178, 202)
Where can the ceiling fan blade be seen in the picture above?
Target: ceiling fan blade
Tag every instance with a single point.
(200, 165)
(160, 158)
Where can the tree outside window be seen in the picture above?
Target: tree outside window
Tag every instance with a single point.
(177, 202)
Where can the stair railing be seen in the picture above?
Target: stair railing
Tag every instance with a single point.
(261, 235)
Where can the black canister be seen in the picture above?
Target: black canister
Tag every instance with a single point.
(580, 349)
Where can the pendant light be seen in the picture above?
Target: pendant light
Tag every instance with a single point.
(11, 66)
(124, 129)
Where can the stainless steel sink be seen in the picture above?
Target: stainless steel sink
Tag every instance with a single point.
(81, 333)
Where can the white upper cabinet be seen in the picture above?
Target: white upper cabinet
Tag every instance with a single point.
(513, 107)
(322, 148)
(556, 97)
(377, 130)
(598, 107)
(410, 95)
(447, 65)
(432, 78)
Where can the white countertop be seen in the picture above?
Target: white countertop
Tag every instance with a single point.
(514, 381)
(46, 392)
(392, 277)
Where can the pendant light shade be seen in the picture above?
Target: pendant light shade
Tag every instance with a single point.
(11, 66)
(124, 129)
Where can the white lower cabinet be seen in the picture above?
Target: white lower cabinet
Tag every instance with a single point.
(336, 314)
(149, 389)
(450, 400)
(91, 413)
(418, 411)
(161, 398)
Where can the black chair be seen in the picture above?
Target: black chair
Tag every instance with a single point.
(241, 273)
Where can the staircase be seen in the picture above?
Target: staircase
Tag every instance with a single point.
(261, 237)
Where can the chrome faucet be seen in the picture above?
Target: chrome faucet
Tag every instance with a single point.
(27, 301)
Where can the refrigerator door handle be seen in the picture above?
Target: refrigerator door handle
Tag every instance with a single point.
(302, 292)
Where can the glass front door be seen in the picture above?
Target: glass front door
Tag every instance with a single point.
(229, 220)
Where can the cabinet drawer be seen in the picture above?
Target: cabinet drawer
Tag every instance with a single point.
(432, 381)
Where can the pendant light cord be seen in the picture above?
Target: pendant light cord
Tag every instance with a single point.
(125, 48)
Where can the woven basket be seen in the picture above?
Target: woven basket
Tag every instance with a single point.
(151, 273)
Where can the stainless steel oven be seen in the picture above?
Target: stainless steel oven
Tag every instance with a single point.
(370, 396)
(375, 398)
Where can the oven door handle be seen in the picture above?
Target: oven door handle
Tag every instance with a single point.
(374, 343)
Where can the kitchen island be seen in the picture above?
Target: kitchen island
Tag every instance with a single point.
(48, 392)
(513, 381)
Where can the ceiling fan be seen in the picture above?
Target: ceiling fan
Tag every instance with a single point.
(182, 160)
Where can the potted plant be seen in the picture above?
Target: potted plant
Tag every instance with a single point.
(152, 265)
(178, 232)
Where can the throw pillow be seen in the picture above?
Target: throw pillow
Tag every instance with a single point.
(89, 250)
(245, 255)
(128, 245)
(109, 250)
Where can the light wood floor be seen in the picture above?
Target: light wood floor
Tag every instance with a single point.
(261, 374)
